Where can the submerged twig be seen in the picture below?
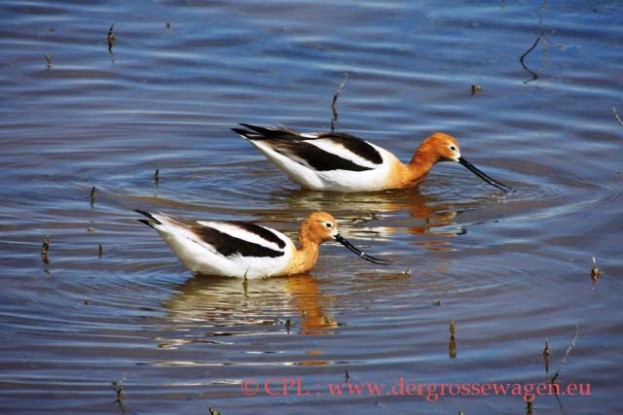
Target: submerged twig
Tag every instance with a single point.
(157, 177)
(100, 252)
(92, 196)
(245, 283)
(546, 355)
(616, 114)
(48, 59)
(595, 272)
(564, 358)
(118, 387)
(45, 247)
(111, 37)
(452, 341)
(338, 91)
(476, 89)
(522, 57)
(529, 404)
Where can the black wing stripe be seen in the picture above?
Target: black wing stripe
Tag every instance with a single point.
(350, 142)
(355, 145)
(260, 231)
(315, 157)
(229, 245)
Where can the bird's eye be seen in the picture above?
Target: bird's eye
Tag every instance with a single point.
(453, 148)
(328, 225)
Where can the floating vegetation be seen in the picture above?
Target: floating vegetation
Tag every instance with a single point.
(476, 89)
(546, 355)
(92, 197)
(44, 250)
(100, 251)
(111, 37)
(338, 91)
(168, 25)
(346, 375)
(288, 325)
(157, 177)
(437, 303)
(214, 411)
(48, 59)
(535, 76)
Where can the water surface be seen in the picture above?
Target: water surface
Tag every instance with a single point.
(512, 271)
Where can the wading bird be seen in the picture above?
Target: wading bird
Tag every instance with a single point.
(245, 249)
(345, 163)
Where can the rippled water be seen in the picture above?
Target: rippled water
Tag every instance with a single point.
(512, 272)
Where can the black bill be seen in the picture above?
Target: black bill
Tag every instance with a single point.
(484, 177)
(359, 253)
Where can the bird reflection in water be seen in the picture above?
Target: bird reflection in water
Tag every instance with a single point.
(426, 215)
(233, 307)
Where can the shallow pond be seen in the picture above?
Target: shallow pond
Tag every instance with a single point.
(512, 272)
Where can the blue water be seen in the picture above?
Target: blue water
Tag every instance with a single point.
(511, 271)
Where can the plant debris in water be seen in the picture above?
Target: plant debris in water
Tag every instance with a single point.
(616, 114)
(92, 196)
(118, 387)
(529, 402)
(452, 341)
(338, 91)
(48, 59)
(535, 76)
(546, 355)
(45, 247)
(111, 37)
(157, 177)
(564, 358)
(595, 272)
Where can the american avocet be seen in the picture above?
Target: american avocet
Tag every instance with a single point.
(345, 163)
(244, 249)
